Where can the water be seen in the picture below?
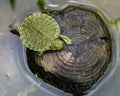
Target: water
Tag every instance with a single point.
(12, 74)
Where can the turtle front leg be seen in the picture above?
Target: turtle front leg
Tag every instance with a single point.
(66, 39)
(56, 45)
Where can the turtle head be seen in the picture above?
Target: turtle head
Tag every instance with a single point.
(15, 27)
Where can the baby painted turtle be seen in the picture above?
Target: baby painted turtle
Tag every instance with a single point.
(40, 32)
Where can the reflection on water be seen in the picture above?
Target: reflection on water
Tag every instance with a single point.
(12, 10)
(1, 33)
(12, 2)
(110, 7)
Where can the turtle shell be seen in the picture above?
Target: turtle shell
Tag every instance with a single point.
(38, 31)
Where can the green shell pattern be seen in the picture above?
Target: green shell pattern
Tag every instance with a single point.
(38, 31)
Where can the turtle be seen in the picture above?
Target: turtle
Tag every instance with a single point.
(40, 32)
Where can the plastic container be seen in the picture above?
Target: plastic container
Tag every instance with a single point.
(16, 79)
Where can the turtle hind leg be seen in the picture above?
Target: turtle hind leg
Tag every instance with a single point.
(15, 28)
(39, 53)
